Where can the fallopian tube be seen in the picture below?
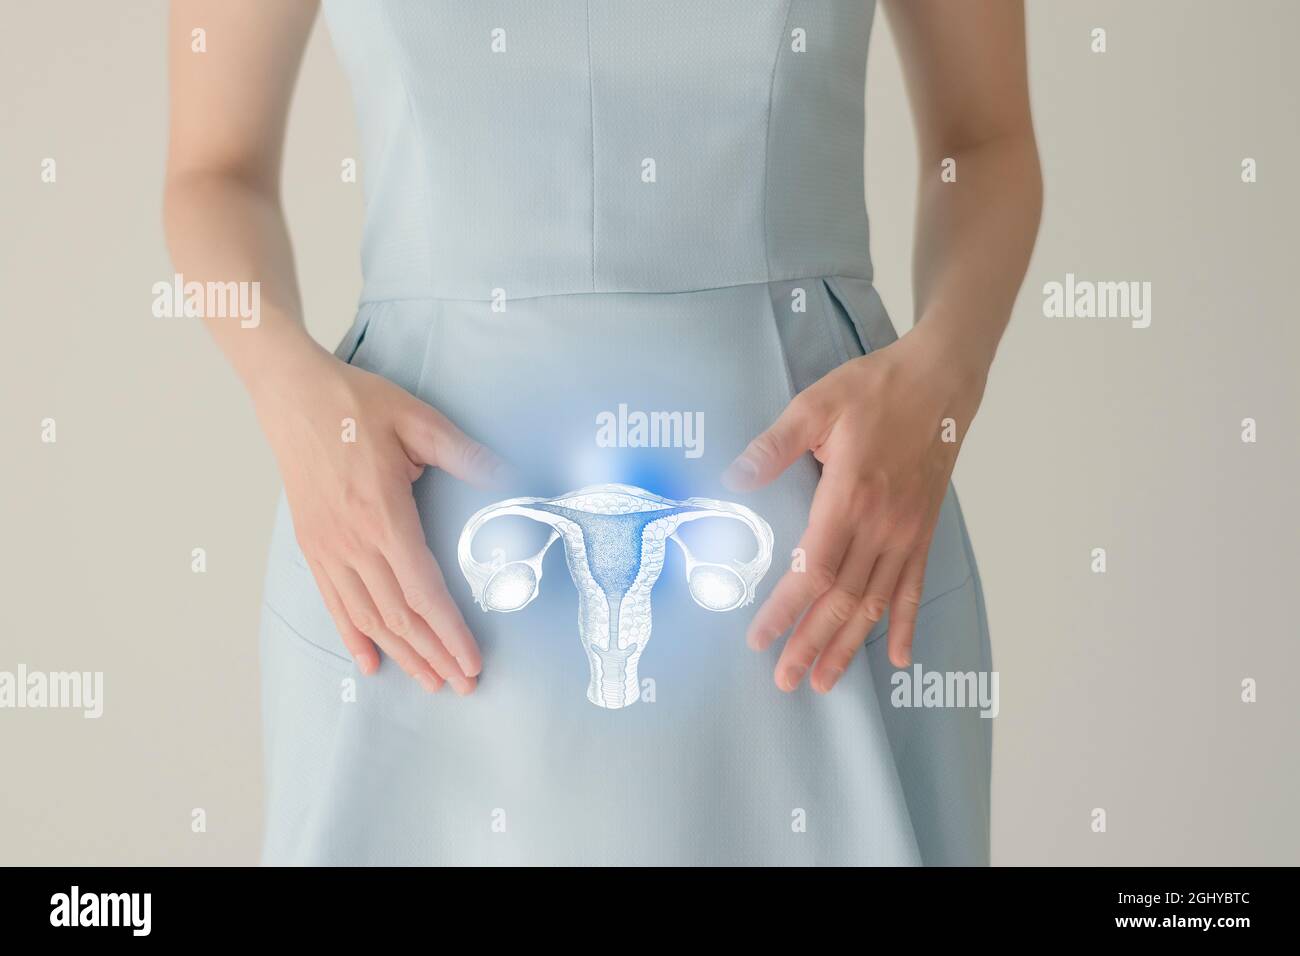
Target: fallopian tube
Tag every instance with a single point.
(615, 537)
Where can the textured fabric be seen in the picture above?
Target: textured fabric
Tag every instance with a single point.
(733, 278)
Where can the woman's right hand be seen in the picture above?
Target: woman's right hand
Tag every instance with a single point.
(352, 505)
(349, 444)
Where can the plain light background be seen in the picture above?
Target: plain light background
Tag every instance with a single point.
(1119, 691)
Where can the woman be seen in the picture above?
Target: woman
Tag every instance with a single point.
(583, 209)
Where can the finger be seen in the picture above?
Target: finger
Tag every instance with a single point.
(828, 614)
(425, 590)
(822, 547)
(407, 626)
(797, 429)
(431, 439)
(905, 605)
(838, 655)
(361, 648)
(365, 617)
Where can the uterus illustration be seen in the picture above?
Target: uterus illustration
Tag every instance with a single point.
(615, 540)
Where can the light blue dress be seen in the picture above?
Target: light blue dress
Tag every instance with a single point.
(574, 207)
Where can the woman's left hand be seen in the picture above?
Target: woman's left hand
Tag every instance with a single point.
(887, 428)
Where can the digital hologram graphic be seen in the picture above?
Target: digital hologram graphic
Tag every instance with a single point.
(615, 538)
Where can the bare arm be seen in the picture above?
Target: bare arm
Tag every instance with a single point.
(353, 510)
(222, 198)
(967, 81)
(877, 423)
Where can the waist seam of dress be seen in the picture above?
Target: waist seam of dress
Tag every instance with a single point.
(575, 293)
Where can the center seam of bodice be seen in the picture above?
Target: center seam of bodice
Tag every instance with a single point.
(767, 135)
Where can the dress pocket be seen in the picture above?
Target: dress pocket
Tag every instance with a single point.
(351, 344)
(846, 336)
(356, 342)
(863, 323)
(291, 601)
(809, 331)
(279, 629)
(824, 322)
